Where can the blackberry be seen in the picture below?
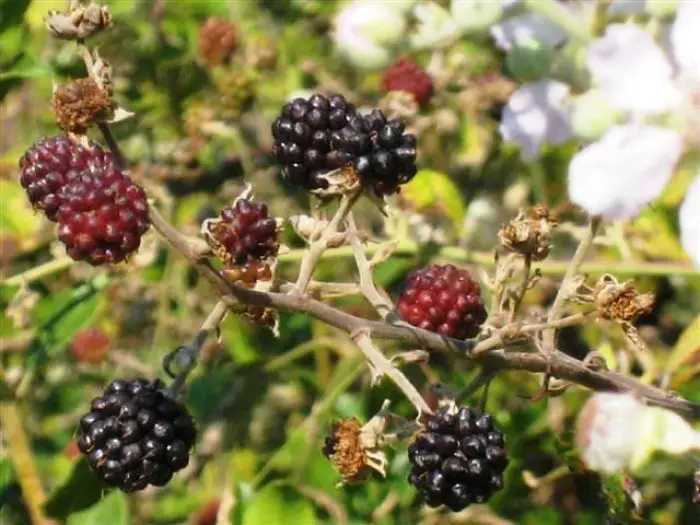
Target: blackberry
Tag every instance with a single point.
(51, 163)
(458, 459)
(244, 233)
(322, 134)
(407, 75)
(102, 216)
(135, 435)
(443, 299)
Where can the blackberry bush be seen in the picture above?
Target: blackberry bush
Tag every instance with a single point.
(50, 163)
(443, 299)
(135, 435)
(322, 134)
(102, 216)
(458, 459)
(407, 75)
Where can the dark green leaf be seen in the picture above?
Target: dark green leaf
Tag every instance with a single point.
(79, 492)
(279, 505)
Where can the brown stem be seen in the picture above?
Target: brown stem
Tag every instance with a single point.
(490, 352)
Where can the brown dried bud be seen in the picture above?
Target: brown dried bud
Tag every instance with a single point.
(621, 302)
(218, 40)
(248, 274)
(399, 104)
(354, 449)
(528, 234)
(486, 93)
(80, 22)
(79, 104)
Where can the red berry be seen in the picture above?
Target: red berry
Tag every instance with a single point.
(443, 299)
(406, 75)
(51, 163)
(90, 345)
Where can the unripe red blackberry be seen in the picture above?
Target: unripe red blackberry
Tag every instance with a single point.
(103, 216)
(51, 163)
(135, 435)
(322, 134)
(443, 299)
(458, 459)
(407, 75)
(218, 40)
(244, 233)
(90, 346)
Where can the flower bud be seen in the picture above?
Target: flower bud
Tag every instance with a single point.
(435, 26)
(476, 16)
(529, 60)
(591, 115)
(366, 31)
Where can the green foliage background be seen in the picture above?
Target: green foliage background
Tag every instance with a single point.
(270, 401)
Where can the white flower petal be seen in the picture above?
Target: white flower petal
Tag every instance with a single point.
(435, 26)
(685, 38)
(689, 216)
(623, 171)
(535, 113)
(632, 71)
(523, 29)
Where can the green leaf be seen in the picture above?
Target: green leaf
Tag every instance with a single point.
(78, 492)
(433, 191)
(16, 214)
(279, 505)
(11, 13)
(112, 510)
(27, 67)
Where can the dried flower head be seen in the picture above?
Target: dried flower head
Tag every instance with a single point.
(356, 450)
(621, 302)
(80, 21)
(79, 104)
(528, 234)
(262, 53)
(399, 104)
(218, 40)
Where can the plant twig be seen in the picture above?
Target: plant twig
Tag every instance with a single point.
(489, 352)
(381, 303)
(21, 456)
(381, 366)
(187, 356)
(318, 245)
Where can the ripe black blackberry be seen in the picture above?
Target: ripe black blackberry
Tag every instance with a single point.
(458, 459)
(245, 233)
(135, 435)
(51, 163)
(322, 134)
(443, 299)
(102, 216)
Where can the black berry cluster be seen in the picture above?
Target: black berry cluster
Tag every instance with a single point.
(321, 134)
(458, 460)
(135, 435)
(245, 233)
(51, 163)
(101, 212)
(443, 299)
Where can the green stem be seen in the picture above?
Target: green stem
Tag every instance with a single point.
(39, 272)
(485, 259)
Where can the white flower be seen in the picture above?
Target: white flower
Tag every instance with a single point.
(526, 28)
(689, 217)
(366, 30)
(632, 71)
(535, 113)
(476, 15)
(685, 39)
(622, 172)
(435, 26)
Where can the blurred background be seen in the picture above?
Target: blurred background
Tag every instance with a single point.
(205, 79)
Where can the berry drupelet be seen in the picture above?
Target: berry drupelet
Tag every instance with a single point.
(244, 233)
(407, 75)
(135, 436)
(443, 299)
(103, 216)
(323, 134)
(458, 459)
(51, 163)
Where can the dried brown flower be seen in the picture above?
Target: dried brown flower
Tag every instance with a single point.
(80, 103)
(399, 104)
(528, 234)
(262, 53)
(621, 302)
(218, 40)
(80, 21)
